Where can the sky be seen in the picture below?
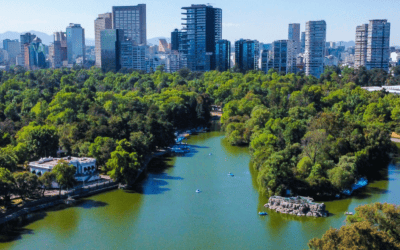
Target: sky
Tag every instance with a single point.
(264, 20)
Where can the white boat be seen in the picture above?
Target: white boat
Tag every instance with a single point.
(198, 191)
(230, 174)
(348, 213)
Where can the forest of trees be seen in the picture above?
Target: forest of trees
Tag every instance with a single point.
(312, 136)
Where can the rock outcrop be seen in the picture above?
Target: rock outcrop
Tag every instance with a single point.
(300, 206)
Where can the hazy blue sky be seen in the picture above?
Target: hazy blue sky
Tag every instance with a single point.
(264, 20)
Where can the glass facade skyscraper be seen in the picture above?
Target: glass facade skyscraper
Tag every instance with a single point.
(111, 49)
(204, 29)
(222, 55)
(247, 54)
(378, 50)
(104, 21)
(75, 43)
(315, 47)
(132, 20)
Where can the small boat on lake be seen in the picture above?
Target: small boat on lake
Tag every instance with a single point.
(262, 213)
(230, 174)
(348, 213)
(198, 191)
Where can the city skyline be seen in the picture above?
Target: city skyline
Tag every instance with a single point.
(266, 23)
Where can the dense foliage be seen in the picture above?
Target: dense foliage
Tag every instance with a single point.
(375, 226)
(305, 134)
(313, 137)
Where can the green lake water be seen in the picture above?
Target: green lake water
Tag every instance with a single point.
(167, 213)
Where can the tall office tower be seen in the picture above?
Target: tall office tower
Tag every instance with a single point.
(13, 48)
(175, 61)
(378, 51)
(133, 56)
(303, 42)
(315, 47)
(103, 21)
(293, 50)
(360, 57)
(175, 37)
(247, 54)
(58, 50)
(26, 38)
(204, 29)
(35, 54)
(294, 32)
(264, 58)
(278, 56)
(75, 43)
(163, 45)
(222, 55)
(110, 43)
(132, 20)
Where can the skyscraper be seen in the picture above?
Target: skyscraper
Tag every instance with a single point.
(222, 55)
(103, 21)
(110, 43)
(35, 54)
(75, 43)
(303, 42)
(163, 45)
(204, 29)
(360, 56)
(58, 50)
(315, 47)
(278, 56)
(13, 48)
(132, 20)
(247, 54)
(175, 40)
(378, 51)
(26, 38)
(133, 56)
(294, 32)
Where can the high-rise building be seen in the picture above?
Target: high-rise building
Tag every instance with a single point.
(315, 48)
(203, 26)
(293, 50)
(360, 56)
(163, 45)
(133, 56)
(35, 54)
(222, 55)
(26, 38)
(303, 42)
(294, 32)
(75, 43)
(103, 21)
(175, 38)
(175, 61)
(58, 50)
(278, 56)
(247, 54)
(13, 48)
(110, 43)
(378, 50)
(132, 20)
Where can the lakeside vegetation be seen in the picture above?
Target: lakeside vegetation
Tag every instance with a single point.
(311, 136)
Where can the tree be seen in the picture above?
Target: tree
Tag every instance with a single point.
(65, 174)
(312, 144)
(101, 149)
(123, 166)
(8, 158)
(27, 184)
(374, 226)
(7, 185)
(47, 180)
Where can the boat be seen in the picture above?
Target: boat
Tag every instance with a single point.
(198, 191)
(230, 174)
(209, 154)
(348, 213)
(262, 213)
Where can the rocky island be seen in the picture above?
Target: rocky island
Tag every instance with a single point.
(300, 206)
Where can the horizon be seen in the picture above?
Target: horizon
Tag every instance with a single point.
(266, 23)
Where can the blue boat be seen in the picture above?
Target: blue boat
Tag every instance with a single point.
(230, 174)
(262, 213)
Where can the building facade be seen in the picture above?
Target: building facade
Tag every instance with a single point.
(315, 48)
(303, 42)
(75, 43)
(222, 55)
(58, 50)
(247, 54)
(378, 50)
(203, 27)
(132, 20)
(35, 57)
(133, 56)
(294, 32)
(26, 38)
(110, 43)
(360, 56)
(13, 48)
(175, 38)
(103, 21)
(163, 46)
